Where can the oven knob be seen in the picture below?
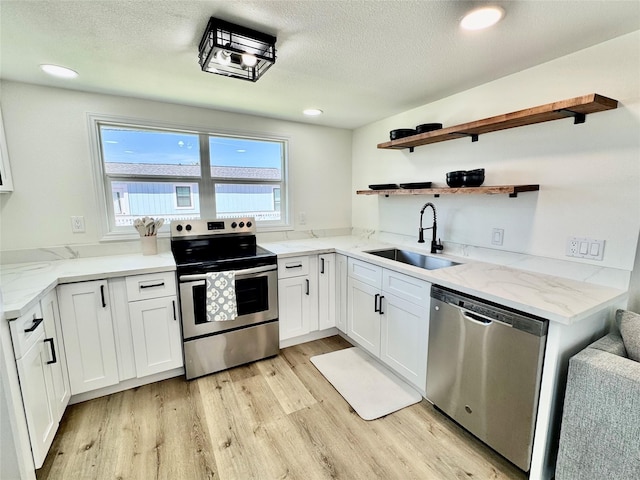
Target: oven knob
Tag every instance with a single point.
(188, 227)
(249, 224)
(241, 224)
(234, 224)
(179, 228)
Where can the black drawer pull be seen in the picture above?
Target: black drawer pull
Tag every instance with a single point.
(173, 302)
(153, 285)
(322, 265)
(375, 302)
(380, 311)
(104, 303)
(307, 280)
(293, 266)
(36, 322)
(53, 351)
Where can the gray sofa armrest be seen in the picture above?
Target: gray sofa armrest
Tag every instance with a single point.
(600, 434)
(611, 343)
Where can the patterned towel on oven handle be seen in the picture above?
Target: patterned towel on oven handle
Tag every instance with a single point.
(221, 296)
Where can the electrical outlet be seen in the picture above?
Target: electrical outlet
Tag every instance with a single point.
(581, 247)
(77, 224)
(497, 236)
(302, 218)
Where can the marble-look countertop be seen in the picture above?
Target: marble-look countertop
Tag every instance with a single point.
(557, 299)
(554, 298)
(24, 284)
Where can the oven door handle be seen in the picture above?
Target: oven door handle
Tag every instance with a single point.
(247, 271)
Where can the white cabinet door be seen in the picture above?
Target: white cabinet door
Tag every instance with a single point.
(58, 365)
(342, 272)
(88, 335)
(405, 330)
(327, 291)
(156, 335)
(294, 303)
(37, 388)
(363, 323)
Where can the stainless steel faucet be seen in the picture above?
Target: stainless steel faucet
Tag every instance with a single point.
(435, 246)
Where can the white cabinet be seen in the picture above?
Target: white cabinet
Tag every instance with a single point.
(40, 361)
(341, 291)
(327, 291)
(88, 335)
(388, 315)
(297, 296)
(155, 327)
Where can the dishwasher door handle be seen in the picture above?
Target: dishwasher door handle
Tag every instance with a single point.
(477, 319)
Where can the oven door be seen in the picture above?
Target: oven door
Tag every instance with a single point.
(256, 298)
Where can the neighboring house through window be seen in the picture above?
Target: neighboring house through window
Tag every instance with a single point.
(174, 174)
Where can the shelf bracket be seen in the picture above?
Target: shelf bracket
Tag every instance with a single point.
(474, 136)
(410, 149)
(513, 195)
(577, 117)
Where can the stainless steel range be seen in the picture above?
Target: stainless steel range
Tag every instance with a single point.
(201, 247)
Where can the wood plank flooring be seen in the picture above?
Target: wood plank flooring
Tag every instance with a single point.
(274, 419)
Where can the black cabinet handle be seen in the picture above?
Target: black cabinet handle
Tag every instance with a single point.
(375, 302)
(153, 285)
(53, 351)
(380, 310)
(307, 281)
(322, 265)
(173, 302)
(104, 303)
(34, 325)
(293, 266)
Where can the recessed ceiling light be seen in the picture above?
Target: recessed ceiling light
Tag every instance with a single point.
(312, 112)
(58, 71)
(480, 18)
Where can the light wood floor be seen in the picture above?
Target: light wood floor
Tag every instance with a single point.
(274, 419)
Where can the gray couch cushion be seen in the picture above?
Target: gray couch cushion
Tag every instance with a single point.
(629, 325)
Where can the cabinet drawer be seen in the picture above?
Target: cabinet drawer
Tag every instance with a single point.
(293, 266)
(403, 286)
(26, 330)
(151, 285)
(365, 272)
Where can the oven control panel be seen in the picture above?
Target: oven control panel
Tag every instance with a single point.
(217, 226)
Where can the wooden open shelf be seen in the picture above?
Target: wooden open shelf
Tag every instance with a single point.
(577, 107)
(511, 190)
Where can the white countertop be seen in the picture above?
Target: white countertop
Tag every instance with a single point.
(23, 284)
(557, 299)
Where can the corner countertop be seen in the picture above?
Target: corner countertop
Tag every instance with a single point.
(23, 284)
(557, 299)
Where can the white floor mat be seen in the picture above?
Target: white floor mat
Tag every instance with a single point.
(369, 387)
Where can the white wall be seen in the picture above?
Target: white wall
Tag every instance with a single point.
(589, 174)
(48, 140)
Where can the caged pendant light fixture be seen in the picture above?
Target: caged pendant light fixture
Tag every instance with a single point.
(236, 51)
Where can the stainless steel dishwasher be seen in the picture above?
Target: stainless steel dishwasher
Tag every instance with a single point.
(484, 368)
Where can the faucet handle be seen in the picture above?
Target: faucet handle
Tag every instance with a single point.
(438, 245)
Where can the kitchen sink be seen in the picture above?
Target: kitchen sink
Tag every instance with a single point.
(411, 258)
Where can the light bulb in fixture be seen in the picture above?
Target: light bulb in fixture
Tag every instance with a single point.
(312, 112)
(223, 57)
(481, 18)
(249, 60)
(58, 71)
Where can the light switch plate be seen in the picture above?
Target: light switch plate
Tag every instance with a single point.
(581, 247)
(497, 236)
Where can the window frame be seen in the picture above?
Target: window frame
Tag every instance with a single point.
(191, 205)
(206, 182)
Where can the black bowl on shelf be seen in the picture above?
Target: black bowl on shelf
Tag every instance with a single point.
(401, 133)
(456, 179)
(428, 127)
(473, 178)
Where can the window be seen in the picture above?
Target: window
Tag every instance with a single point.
(173, 174)
(183, 196)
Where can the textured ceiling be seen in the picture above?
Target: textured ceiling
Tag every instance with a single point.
(359, 61)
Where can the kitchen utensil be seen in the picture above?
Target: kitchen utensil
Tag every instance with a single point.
(401, 133)
(428, 127)
(456, 179)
